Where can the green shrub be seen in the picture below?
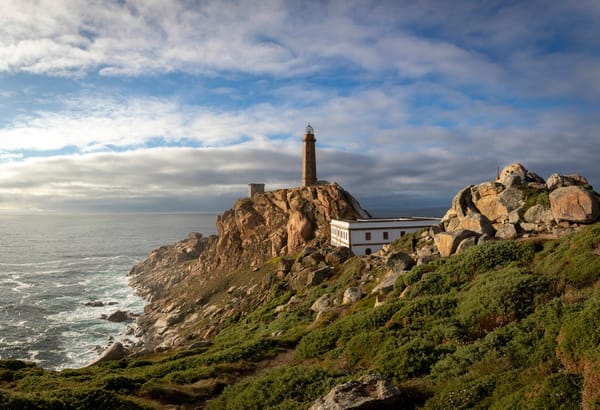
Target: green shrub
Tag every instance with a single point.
(559, 391)
(580, 334)
(192, 375)
(281, 387)
(466, 395)
(575, 259)
(496, 298)
(321, 341)
(424, 309)
(121, 384)
(362, 349)
(406, 358)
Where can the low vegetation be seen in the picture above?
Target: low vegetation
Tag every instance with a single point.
(503, 325)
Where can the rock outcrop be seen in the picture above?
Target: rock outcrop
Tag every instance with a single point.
(574, 204)
(196, 284)
(518, 203)
(368, 392)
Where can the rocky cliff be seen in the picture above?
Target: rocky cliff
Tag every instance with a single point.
(195, 284)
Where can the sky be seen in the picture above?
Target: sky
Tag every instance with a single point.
(175, 106)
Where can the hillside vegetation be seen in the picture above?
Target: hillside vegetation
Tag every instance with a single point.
(502, 325)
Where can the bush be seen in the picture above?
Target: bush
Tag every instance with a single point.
(575, 259)
(281, 387)
(466, 395)
(424, 308)
(494, 299)
(580, 334)
(321, 341)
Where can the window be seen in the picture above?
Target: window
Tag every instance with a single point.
(368, 251)
(402, 233)
(367, 236)
(385, 235)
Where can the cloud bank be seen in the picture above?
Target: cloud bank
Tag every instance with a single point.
(149, 105)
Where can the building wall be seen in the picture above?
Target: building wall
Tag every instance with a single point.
(368, 236)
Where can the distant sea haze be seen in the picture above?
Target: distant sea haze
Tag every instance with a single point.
(436, 212)
(51, 265)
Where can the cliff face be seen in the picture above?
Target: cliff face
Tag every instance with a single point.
(190, 283)
(277, 223)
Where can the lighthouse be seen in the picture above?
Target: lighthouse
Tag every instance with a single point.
(309, 160)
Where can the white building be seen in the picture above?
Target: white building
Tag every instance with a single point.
(364, 236)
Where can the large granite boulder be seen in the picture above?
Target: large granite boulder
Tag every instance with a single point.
(114, 352)
(538, 214)
(400, 261)
(368, 392)
(515, 174)
(447, 242)
(574, 204)
(558, 181)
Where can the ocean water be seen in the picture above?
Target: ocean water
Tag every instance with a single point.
(51, 265)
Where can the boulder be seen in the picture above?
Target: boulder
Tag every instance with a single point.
(118, 316)
(538, 214)
(515, 174)
(368, 392)
(558, 181)
(352, 295)
(114, 352)
(476, 222)
(574, 204)
(496, 203)
(321, 304)
(338, 255)
(400, 261)
(314, 278)
(447, 242)
(466, 244)
(386, 284)
(506, 231)
(485, 198)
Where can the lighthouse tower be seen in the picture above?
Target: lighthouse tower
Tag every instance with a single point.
(309, 161)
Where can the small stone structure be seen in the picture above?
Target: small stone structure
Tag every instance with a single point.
(254, 189)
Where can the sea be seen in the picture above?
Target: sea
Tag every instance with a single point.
(52, 266)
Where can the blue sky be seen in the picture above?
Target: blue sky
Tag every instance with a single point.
(176, 105)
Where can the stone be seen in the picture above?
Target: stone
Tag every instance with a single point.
(314, 278)
(539, 214)
(386, 284)
(118, 316)
(321, 304)
(447, 242)
(574, 204)
(338, 255)
(114, 352)
(95, 303)
(466, 244)
(313, 259)
(517, 172)
(506, 231)
(476, 222)
(558, 181)
(352, 295)
(368, 392)
(530, 226)
(399, 261)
